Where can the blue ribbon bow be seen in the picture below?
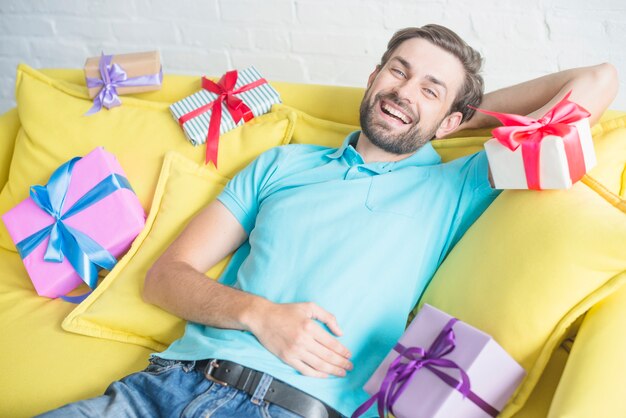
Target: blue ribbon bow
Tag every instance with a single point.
(83, 253)
(112, 77)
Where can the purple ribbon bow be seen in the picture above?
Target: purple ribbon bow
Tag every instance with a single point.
(400, 374)
(112, 77)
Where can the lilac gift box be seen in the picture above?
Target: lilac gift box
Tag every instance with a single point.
(492, 374)
(112, 222)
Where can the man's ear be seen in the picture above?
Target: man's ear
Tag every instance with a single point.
(449, 124)
(372, 76)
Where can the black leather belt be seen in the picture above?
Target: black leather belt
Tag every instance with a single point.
(228, 373)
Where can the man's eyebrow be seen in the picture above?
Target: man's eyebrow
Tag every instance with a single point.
(436, 81)
(403, 62)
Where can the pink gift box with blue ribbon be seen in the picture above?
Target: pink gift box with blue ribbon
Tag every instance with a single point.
(85, 217)
(442, 368)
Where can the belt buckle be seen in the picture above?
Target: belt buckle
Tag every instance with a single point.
(213, 364)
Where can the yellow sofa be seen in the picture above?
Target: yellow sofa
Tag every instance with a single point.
(542, 272)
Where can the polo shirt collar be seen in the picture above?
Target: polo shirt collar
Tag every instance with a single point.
(424, 156)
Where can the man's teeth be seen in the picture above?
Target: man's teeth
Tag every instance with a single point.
(396, 113)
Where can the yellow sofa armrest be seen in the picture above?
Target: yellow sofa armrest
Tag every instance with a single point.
(9, 125)
(593, 383)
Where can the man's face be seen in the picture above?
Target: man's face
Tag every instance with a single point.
(408, 99)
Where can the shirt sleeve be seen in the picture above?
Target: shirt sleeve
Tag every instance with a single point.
(475, 194)
(243, 194)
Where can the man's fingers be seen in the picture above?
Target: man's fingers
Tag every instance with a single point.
(327, 318)
(330, 343)
(332, 357)
(321, 365)
(307, 370)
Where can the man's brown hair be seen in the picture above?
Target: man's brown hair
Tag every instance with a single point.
(471, 92)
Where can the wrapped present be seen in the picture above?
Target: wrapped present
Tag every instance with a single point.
(108, 76)
(442, 367)
(78, 223)
(219, 107)
(552, 152)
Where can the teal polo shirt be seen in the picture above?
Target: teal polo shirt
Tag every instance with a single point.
(361, 240)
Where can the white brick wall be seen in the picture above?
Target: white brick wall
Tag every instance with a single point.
(316, 41)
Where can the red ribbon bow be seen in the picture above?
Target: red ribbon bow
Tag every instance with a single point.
(528, 132)
(225, 90)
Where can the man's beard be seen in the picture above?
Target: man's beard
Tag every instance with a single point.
(379, 133)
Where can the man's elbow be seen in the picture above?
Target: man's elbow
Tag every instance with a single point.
(151, 284)
(607, 80)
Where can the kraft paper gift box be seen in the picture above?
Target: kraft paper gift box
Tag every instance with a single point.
(563, 155)
(221, 106)
(112, 222)
(144, 66)
(429, 391)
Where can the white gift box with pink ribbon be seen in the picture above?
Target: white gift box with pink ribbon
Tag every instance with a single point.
(507, 167)
(553, 152)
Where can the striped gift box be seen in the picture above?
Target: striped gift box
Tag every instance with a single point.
(259, 100)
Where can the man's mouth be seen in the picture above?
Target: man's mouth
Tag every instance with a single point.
(395, 112)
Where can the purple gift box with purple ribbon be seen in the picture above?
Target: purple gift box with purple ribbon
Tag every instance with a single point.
(109, 76)
(442, 367)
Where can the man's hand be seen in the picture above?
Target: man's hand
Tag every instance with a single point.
(290, 331)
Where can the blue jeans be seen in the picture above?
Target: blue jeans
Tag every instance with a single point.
(167, 389)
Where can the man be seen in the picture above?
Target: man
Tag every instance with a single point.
(333, 246)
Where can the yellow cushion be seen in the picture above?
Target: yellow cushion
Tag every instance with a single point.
(313, 130)
(453, 148)
(54, 129)
(593, 382)
(534, 262)
(538, 403)
(115, 310)
(10, 125)
(610, 150)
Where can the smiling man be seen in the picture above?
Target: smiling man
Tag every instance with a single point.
(333, 246)
(416, 71)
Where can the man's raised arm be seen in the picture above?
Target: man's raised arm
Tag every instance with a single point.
(593, 88)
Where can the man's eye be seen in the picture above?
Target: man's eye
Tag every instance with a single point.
(399, 72)
(430, 92)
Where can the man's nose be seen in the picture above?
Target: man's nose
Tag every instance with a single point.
(405, 92)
